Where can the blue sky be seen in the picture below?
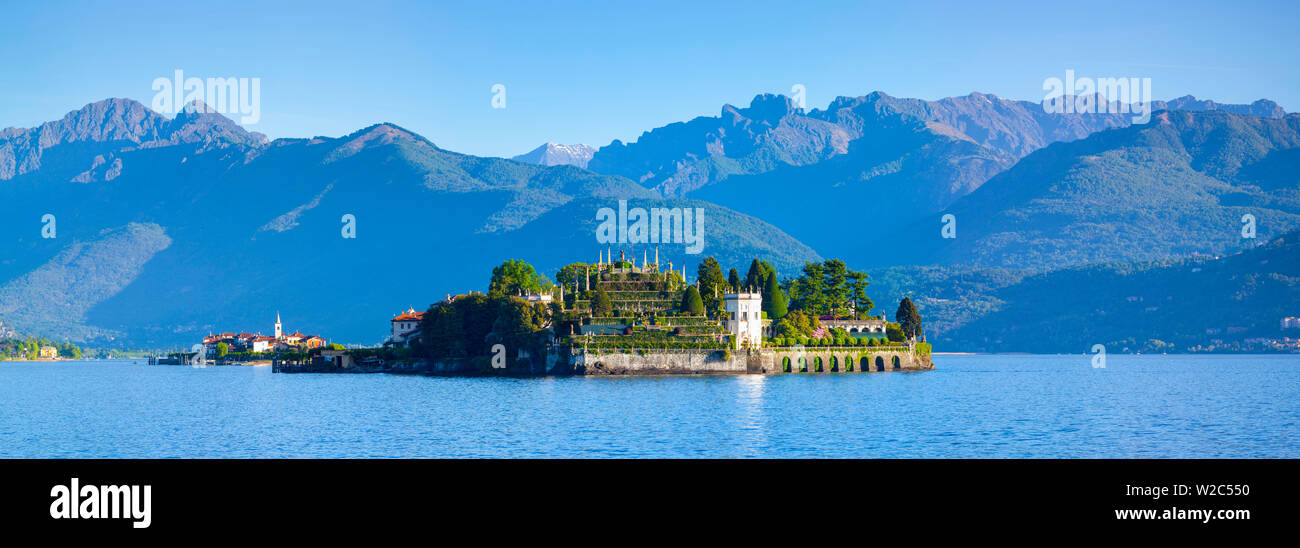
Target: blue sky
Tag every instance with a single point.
(591, 72)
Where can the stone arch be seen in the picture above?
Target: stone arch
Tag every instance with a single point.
(880, 363)
(897, 366)
(785, 364)
(835, 364)
(818, 361)
(803, 364)
(848, 363)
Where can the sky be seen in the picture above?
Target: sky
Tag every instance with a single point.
(592, 72)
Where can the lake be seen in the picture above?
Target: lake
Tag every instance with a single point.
(969, 406)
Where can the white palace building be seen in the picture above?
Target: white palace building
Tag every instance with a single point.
(745, 319)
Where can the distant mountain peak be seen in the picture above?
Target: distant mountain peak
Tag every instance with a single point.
(197, 106)
(115, 124)
(387, 131)
(378, 135)
(1262, 108)
(768, 107)
(555, 154)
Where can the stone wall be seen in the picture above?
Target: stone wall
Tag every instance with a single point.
(559, 360)
(767, 361)
(840, 360)
(686, 362)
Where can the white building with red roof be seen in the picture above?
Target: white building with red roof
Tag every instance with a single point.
(404, 326)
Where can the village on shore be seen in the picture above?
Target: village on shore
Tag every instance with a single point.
(230, 348)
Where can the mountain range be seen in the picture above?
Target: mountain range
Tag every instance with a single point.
(1178, 186)
(191, 235)
(867, 169)
(168, 229)
(1145, 307)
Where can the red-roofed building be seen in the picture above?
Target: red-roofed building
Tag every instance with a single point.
(312, 341)
(404, 326)
(261, 343)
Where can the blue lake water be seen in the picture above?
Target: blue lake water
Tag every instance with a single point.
(970, 406)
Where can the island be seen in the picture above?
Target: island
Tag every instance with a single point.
(621, 317)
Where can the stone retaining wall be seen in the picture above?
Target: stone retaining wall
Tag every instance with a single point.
(768, 361)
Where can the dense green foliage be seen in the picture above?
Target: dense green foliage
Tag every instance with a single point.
(514, 276)
(830, 288)
(28, 348)
(895, 332)
(795, 324)
(468, 326)
(572, 274)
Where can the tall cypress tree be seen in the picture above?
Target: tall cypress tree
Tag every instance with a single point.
(908, 318)
(773, 299)
(601, 305)
(711, 281)
(691, 302)
(733, 279)
(862, 304)
(758, 272)
(809, 290)
(834, 276)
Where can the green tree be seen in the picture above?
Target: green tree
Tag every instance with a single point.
(691, 302)
(516, 324)
(796, 324)
(807, 292)
(514, 276)
(222, 349)
(758, 273)
(709, 275)
(908, 318)
(733, 280)
(601, 305)
(442, 334)
(834, 288)
(673, 280)
(773, 299)
(894, 332)
(862, 304)
(572, 273)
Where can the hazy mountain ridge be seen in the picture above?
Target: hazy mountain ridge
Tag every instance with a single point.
(1177, 186)
(883, 161)
(255, 229)
(56, 296)
(109, 126)
(1136, 307)
(773, 132)
(252, 226)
